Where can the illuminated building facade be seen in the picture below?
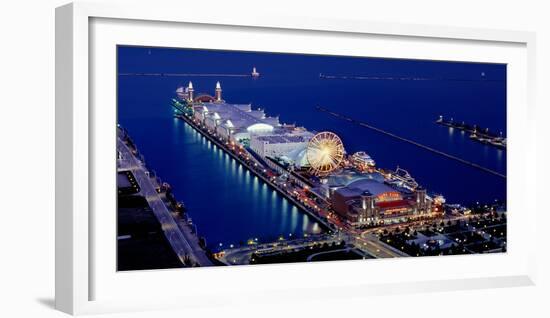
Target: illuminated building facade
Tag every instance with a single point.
(232, 122)
(371, 202)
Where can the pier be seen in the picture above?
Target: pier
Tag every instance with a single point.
(412, 142)
(256, 171)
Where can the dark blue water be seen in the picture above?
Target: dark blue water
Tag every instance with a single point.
(229, 205)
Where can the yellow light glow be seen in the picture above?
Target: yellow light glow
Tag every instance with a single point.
(325, 152)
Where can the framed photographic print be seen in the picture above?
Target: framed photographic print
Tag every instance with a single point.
(347, 155)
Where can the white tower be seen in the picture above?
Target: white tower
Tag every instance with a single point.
(255, 73)
(218, 92)
(190, 90)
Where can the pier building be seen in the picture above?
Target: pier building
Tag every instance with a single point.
(232, 122)
(372, 202)
(344, 178)
(248, 126)
(252, 128)
(357, 191)
(296, 158)
(278, 145)
(204, 98)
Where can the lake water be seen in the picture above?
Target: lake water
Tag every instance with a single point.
(229, 205)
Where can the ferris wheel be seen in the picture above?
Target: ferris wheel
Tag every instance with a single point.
(325, 152)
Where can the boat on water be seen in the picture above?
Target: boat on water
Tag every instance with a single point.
(361, 158)
(182, 93)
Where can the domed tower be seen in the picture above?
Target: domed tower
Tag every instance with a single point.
(218, 92)
(190, 91)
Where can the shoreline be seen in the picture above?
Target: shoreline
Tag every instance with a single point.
(183, 240)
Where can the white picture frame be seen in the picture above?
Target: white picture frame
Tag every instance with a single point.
(76, 271)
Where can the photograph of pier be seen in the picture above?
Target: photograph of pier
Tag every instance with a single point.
(238, 158)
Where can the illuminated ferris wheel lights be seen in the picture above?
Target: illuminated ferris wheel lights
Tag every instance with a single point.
(325, 153)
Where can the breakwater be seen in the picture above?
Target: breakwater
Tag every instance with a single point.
(186, 75)
(409, 141)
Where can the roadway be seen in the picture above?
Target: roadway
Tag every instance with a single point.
(368, 241)
(242, 255)
(347, 249)
(183, 242)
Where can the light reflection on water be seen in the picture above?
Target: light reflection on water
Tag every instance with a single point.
(407, 108)
(228, 203)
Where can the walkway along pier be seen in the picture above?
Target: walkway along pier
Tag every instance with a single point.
(184, 243)
(412, 142)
